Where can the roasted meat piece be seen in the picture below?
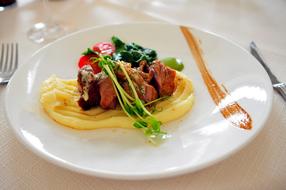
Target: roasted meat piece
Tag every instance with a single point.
(107, 93)
(144, 71)
(140, 79)
(88, 88)
(95, 90)
(145, 91)
(150, 82)
(163, 78)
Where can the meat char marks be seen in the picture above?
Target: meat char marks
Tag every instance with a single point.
(150, 82)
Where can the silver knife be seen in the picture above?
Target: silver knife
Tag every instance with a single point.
(280, 87)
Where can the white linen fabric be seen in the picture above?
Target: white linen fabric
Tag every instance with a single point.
(260, 165)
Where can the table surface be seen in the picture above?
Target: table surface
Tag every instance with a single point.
(260, 165)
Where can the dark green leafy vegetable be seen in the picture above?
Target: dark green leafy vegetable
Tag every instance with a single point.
(89, 51)
(119, 45)
(132, 52)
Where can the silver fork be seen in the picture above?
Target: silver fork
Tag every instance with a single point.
(8, 61)
(280, 87)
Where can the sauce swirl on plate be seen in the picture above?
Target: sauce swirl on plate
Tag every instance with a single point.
(232, 111)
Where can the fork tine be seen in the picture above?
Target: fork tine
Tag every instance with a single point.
(16, 58)
(2, 57)
(10, 66)
(6, 58)
(8, 61)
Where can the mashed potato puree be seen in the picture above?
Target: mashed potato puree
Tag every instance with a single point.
(59, 100)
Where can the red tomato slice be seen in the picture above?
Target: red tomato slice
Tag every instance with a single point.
(106, 48)
(85, 60)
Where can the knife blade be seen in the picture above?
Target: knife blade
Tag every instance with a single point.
(278, 86)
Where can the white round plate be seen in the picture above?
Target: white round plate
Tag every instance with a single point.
(199, 139)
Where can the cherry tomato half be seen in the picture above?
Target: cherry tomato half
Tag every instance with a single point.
(105, 48)
(85, 60)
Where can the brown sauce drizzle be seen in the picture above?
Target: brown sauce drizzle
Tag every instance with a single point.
(231, 111)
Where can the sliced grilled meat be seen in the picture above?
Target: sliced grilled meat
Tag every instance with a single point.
(140, 79)
(150, 82)
(145, 91)
(119, 73)
(108, 98)
(88, 88)
(144, 71)
(95, 90)
(163, 78)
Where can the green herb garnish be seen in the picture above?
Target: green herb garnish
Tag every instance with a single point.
(132, 105)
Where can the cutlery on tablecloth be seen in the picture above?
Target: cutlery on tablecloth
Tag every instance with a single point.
(8, 61)
(280, 87)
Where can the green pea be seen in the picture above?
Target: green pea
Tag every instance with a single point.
(174, 63)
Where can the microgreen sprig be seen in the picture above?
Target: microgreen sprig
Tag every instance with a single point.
(132, 105)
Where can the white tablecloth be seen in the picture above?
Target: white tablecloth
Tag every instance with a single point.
(260, 165)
